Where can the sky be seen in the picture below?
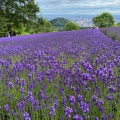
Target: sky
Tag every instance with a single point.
(78, 7)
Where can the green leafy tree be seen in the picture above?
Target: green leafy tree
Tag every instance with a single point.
(103, 20)
(118, 24)
(71, 26)
(17, 13)
(42, 25)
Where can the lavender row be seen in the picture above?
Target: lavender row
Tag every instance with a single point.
(112, 32)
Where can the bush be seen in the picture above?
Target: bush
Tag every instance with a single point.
(71, 26)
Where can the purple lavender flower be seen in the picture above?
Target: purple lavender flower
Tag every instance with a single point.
(104, 117)
(61, 91)
(79, 98)
(29, 93)
(101, 109)
(56, 104)
(17, 82)
(68, 112)
(109, 96)
(118, 87)
(26, 116)
(22, 90)
(31, 99)
(111, 88)
(67, 82)
(23, 82)
(73, 88)
(48, 72)
(35, 61)
(110, 115)
(84, 107)
(100, 102)
(77, 117)
(51, 111)
(96, 118)
(42, 95)
(50, 78)
(43, 106)
(13, 112)
(4, 93)
(6, 107)
(72, 100)
(10, 85)
(21, 105)
(29, 76)
(56, 86)
(10, 97)
(64, 101)
(52, 95)
(94, 98)
(36, 105)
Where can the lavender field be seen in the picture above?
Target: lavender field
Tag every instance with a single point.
(112, 32)
(72, 75)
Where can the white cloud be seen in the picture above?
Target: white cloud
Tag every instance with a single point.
(79, 6)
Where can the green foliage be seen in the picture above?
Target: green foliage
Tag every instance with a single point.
(71, 26)
(22, 30)
(21, 16)
(39, 26)
(103, 20)
(43, 25)
(17, 13)
(118, 24)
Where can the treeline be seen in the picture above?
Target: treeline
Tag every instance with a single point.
(21, 16)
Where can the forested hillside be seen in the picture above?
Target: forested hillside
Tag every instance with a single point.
(59, 23)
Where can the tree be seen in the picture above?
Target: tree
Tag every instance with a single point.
(118, 24)
(14, 13)
(71, 26)
(103, 20)
(42, 25)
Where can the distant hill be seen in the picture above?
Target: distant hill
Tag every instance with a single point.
(59, 23)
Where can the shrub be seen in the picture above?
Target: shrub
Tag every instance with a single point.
(71, 26)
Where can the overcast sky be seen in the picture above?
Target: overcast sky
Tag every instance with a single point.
(78, 7)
